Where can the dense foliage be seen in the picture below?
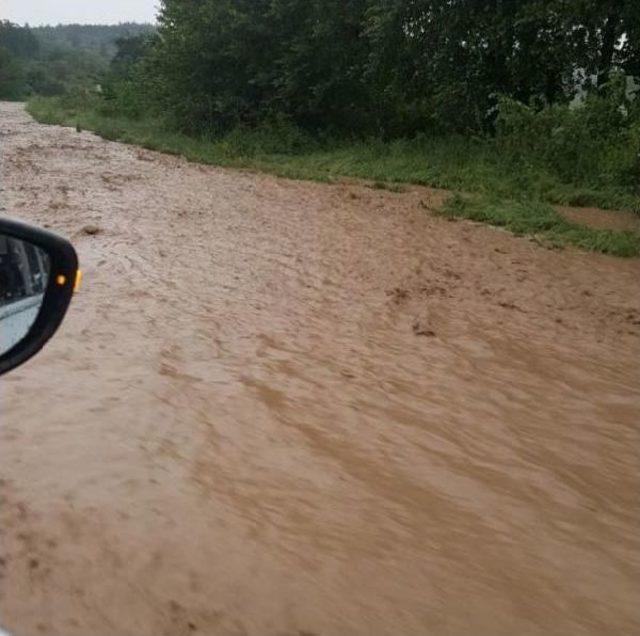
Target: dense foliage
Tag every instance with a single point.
(56, 60)
(384, 67)
(99, 38)
(389, 68)
(551, 81)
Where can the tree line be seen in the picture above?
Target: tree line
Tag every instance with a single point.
(390, 68)
(54, 60)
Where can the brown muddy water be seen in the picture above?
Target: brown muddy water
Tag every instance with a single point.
(293, 409)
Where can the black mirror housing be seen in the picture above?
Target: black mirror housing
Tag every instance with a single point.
(62, 279)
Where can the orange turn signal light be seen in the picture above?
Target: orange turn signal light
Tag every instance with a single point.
(61, 280)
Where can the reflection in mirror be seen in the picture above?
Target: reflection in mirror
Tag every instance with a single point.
(24, 274)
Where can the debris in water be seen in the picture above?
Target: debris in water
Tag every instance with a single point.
(91, 229)
(421, 330)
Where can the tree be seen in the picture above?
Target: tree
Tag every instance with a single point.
(11, 76)
(317, 74)
(19, 41)
(390, 67)
(451, 59)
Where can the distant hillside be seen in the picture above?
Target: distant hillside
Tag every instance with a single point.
(54, 60)
(98, 38)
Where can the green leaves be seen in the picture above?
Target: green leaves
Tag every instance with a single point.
(596, 142)
(11, 76)
(384, 67)
(55, 60)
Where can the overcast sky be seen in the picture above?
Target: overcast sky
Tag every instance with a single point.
(37, 12)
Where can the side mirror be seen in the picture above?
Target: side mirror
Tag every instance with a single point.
(38, 275)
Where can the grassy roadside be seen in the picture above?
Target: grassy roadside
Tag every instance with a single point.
(539, 219)
(517, 198)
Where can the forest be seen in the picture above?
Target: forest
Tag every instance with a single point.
(532, 100)
(46, 61)
(383, 67)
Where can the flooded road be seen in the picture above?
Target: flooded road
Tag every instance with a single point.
(294, 409)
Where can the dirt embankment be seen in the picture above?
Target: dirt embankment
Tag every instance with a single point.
(285, 408)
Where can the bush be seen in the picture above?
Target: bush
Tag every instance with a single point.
(594, 142)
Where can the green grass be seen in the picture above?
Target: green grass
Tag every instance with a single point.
(541, 221)
(515, 197)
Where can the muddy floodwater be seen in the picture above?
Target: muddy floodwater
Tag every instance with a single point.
(281, 408)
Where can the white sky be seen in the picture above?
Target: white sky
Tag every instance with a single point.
(38, 12)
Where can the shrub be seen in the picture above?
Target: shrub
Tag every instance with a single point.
(596, 141)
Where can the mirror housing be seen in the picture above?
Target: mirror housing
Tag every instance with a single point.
(62, 276)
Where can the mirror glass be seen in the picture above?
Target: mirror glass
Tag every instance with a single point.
(24, 274)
